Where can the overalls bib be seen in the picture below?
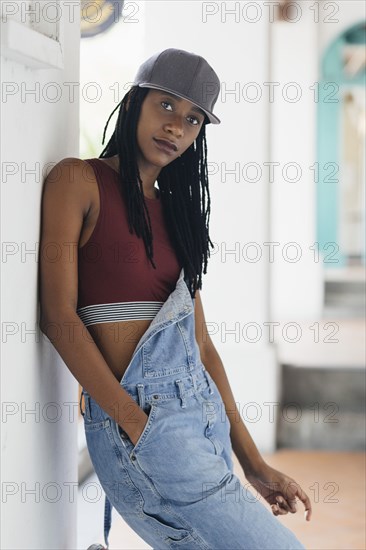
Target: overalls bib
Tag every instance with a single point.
(176, 487)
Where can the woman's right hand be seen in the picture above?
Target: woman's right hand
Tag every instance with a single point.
(135, 429)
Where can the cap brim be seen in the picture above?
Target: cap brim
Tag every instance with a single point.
(212, 118)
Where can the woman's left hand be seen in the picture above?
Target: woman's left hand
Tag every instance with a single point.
(279, 490)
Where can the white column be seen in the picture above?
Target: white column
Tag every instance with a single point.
(38, 392)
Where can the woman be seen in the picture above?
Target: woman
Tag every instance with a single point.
(160, 418)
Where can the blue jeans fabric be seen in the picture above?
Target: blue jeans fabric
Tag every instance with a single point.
(176, 487)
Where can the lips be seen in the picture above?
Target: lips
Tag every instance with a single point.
(166, 144)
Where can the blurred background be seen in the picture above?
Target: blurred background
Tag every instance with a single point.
(284, 293)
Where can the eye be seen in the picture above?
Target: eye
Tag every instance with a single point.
(197, 121)
(166, 103)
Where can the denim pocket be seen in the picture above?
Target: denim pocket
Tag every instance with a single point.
(186, 542)
(123, 436)
(177, 458)
(174, 536)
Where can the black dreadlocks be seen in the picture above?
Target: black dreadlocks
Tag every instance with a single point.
(183, 186)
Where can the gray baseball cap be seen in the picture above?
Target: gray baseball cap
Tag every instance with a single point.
(184, 74)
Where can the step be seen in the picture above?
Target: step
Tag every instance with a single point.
(322, 408)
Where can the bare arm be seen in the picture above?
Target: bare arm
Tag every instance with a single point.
(65, 203)
(279, 490)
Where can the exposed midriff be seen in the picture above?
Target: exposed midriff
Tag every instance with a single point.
(117, 339)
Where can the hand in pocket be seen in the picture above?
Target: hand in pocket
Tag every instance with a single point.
(137, 429)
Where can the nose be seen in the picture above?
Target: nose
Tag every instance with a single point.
(175, 126)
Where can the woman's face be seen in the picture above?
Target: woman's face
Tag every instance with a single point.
(165, 116)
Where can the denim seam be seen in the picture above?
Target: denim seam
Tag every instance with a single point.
(183, 335)
(168, 372)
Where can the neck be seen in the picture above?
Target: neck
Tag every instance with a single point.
(148, 174)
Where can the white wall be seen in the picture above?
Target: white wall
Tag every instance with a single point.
(296, 274)
(39, 455)
(235, 290)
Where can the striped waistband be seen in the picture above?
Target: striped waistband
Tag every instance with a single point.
(118, 311)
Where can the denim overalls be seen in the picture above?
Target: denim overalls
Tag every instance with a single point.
(176, 487)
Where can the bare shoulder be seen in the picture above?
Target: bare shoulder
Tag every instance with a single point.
(72, 179)
(66, 200)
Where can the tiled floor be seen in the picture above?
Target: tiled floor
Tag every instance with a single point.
(335, 483)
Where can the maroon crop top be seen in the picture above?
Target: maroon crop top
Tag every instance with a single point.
(116, 281)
